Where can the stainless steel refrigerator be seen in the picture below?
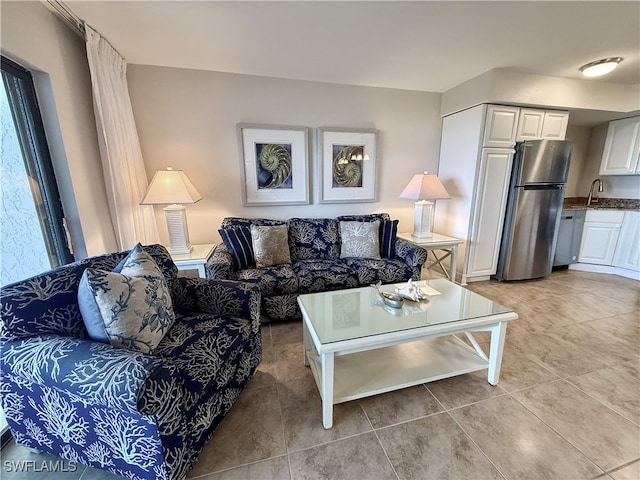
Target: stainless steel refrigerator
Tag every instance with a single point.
(534, 206)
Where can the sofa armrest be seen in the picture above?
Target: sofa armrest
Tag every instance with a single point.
(410, 253)
(92, 372)
(218, 297)
(220, 264)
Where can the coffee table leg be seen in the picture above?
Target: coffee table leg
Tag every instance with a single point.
(498, 334)
(306, 343)
(327, 390)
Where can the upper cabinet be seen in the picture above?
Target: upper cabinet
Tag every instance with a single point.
(501, 126)
(621, 153)
(534, 124)
(507, 125)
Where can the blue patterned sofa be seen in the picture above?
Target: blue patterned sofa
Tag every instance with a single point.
(141, 416)
(316, 266)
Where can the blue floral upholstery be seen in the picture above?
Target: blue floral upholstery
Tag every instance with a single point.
(314, 244)
(313, 238)
(138, 415)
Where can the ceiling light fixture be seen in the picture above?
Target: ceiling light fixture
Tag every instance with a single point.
(600, 67)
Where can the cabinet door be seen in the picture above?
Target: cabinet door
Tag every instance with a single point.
(489, 210)
(501, 126)
(554, 125)
(627, 254)
(621, 148)
(598, 243)
(529, 124)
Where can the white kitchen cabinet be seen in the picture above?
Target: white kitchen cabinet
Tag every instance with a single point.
(536, 124)
(621, 154)
(627, 253)
(554, 125)
(600, 236)
(501, 126)
(477, 179)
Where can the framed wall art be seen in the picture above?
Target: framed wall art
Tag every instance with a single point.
(274, 165)
(347, 165)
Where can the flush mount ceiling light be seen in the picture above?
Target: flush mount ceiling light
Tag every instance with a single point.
(600, 67)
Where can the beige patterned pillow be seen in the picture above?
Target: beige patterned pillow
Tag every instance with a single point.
(360, 239)
(270, 245)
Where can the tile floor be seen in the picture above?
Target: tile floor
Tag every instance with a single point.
(567, 406)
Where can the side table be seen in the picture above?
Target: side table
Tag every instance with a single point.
(438, 242)
(196, 260)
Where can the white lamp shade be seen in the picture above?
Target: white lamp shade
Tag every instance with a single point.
(424, 187)
(170, 187)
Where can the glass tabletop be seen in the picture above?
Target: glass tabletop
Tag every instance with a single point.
(359, 312)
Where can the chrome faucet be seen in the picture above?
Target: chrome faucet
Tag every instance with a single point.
(592, 198)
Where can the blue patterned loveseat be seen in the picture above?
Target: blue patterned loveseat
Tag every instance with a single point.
(316, 266)
(137, 415)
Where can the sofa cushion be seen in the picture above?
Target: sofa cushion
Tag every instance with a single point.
(274, 280)
(313, 238)
(131, 309)
(237, 240)
(372, 217)
(383, 270)
(388, 237)
(324, 275)
(360, 239)
(230, 222)
(270, 245)
(203, 349)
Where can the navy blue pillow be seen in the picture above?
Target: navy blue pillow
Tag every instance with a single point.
(238, 243)
(388, 234)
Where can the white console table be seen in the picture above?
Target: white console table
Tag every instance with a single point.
(438, 242)
(196, 260)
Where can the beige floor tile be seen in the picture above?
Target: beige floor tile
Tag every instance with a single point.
(359, 457)
(271, 469)
(400, 406)
(464, 389)
(518, 372)
(605, 437)
(434, 447)
(629, 472)
(631, 368)
(519, 444)
(289, 362)
(251, 431)
(614, 388)
(286, 331)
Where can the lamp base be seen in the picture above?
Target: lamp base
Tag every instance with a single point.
(178, 233)
(422, 219)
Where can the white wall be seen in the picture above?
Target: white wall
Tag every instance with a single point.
(187, 119)
(35, 38)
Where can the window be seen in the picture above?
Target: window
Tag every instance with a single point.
(33, 237)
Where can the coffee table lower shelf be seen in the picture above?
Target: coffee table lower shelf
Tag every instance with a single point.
(362, 374)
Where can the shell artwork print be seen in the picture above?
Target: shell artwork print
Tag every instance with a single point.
(273, 166)
(347, 166)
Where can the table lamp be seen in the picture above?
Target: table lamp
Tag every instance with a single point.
(423, 188)
(173, 188)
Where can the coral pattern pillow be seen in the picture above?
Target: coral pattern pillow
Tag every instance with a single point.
(360, 239)
(270, 245)
(131, 309)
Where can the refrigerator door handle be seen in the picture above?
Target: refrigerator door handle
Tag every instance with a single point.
(544, 187)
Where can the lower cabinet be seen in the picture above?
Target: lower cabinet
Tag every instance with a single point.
(611, 243)
(627, 254)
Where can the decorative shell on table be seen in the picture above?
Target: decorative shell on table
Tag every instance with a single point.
(276, 160)
(411, 292)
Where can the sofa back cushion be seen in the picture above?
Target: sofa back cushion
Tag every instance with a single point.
(231, 222)
(48, 303)
(313, 238)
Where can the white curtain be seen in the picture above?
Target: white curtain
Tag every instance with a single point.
(124, 174)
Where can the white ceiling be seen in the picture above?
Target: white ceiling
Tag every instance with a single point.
(427, 46)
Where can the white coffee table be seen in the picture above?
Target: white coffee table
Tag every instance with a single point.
(357, 347)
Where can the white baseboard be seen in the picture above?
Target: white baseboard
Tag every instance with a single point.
(609, 269)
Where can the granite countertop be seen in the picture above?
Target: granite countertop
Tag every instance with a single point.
(580, 203)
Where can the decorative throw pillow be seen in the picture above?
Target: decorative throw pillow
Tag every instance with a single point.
(131, 309)
(360, 239)
(388, 236)
(238, 243)
(270, 245)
